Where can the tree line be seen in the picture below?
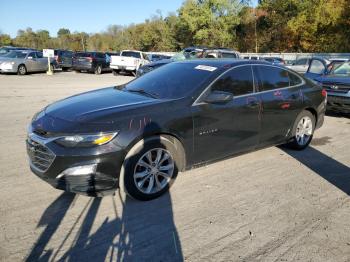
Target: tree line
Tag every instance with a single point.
(272, 26)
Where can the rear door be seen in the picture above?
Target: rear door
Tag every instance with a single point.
(227, 128)
(279, 91)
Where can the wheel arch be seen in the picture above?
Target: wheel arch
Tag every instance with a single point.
(313, 112)
(132, 148)
(155, 136)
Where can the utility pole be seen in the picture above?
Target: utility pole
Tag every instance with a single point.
(255, 31)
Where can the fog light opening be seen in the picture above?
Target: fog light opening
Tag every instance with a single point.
(79, 171)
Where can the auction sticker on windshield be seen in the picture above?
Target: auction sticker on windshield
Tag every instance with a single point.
(207, 68)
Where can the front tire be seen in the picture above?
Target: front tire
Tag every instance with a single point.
(150, 168)
(98, 70)
(22, 70)
(303, 130)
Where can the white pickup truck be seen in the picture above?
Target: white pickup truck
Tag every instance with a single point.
(128, 61)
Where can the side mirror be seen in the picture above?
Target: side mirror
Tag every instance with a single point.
(218, 97)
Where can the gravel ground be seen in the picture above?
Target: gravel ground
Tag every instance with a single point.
(270, 205)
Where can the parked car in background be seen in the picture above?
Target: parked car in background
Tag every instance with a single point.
(64, 59)
(23, 62)
(153, 65)
(300, 65)
(157, 57)
(128, 61)
(95, 62)
(140, 135)
(275, 60)
(6, 49)
(221, 53)
(335, 79)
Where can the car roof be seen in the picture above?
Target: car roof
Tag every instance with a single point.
(220, 63)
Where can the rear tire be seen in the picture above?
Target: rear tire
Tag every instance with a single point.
(150, 168)
(77, 71)
(22, 70)
(65, 69)
(115, 72)
(98, 70)
(303, 130)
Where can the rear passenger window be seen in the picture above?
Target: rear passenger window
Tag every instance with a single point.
(294, 79)
(272, 78)
(238, 81)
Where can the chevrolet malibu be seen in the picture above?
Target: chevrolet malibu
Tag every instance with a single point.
(140, 135)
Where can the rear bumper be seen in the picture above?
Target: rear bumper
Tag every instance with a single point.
(87, 67)
(123, 68)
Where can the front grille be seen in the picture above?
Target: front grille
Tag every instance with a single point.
(336, 88)
(40, 156)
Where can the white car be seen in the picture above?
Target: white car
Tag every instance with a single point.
(301, 65)
(128, 61)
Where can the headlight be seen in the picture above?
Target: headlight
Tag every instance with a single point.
(8, 63)
(38, 114)
(86, 140)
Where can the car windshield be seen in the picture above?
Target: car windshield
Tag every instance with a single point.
(178, 57)
(15, 54)
(171, 81)
(343, 69)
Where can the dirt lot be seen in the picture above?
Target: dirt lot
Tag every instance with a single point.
(271, 205)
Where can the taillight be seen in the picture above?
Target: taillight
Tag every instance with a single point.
(324, 93)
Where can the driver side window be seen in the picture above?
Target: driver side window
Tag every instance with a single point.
(317, 67)
(238, 81)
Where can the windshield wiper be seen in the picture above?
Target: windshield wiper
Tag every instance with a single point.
(143, 92)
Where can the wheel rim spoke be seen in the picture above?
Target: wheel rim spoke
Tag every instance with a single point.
(150, 184)
(166, 168)
(159, 156)
(141, 174)
(165, 175)
(144, 164)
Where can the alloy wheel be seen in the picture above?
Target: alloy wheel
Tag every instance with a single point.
(304, 131)
(153, 171)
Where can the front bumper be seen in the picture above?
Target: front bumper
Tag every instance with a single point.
(338, 103)
(107, 160)
(7, 69)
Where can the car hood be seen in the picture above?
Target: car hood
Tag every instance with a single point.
(334, 79)
(6, 59)
(96, 105)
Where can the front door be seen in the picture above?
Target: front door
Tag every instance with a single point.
(222, 129)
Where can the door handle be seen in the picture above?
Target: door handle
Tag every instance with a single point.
(252, 102)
